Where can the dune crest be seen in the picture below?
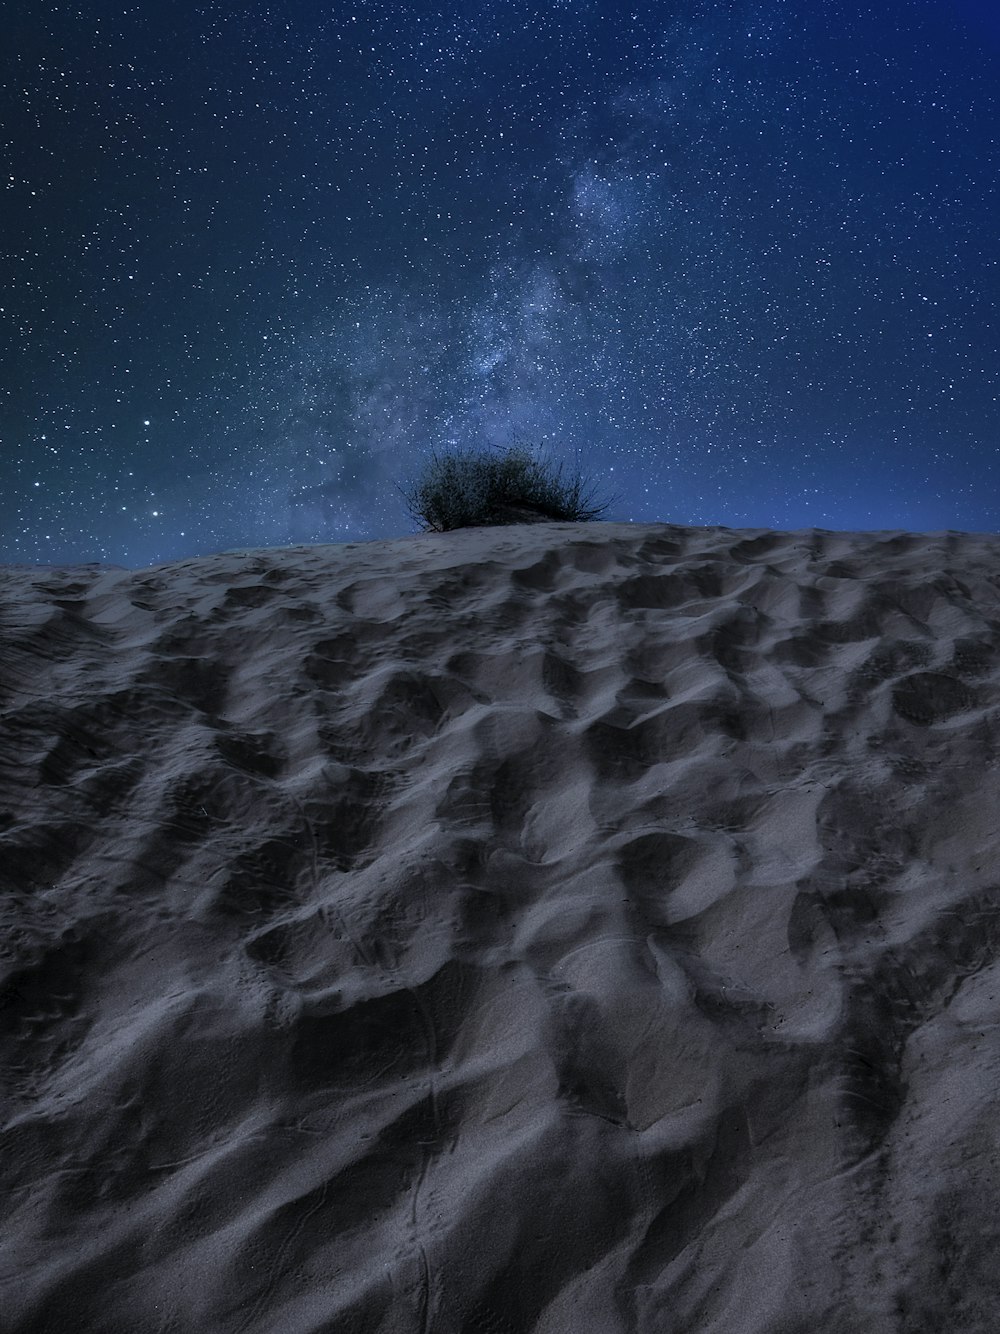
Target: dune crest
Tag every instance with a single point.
(544, 929)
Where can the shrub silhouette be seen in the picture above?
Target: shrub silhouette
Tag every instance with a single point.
(464, 490)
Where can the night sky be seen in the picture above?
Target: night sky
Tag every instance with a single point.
(739, 261)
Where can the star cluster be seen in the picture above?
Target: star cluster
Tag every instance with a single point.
(737, 262)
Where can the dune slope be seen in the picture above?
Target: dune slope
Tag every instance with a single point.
(545, 929)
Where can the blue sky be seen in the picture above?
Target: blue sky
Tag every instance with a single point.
(739, 259)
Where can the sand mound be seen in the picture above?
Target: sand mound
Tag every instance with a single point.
(550, 929)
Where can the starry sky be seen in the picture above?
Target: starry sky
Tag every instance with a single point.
(737, 262)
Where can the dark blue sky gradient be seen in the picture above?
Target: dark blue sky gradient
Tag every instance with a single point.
(741, 260)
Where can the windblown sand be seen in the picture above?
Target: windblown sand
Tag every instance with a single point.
(548, 929)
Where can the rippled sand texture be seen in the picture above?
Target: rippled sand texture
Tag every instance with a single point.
(550, 929)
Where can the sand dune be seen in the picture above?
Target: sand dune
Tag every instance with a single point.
(546, 929)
